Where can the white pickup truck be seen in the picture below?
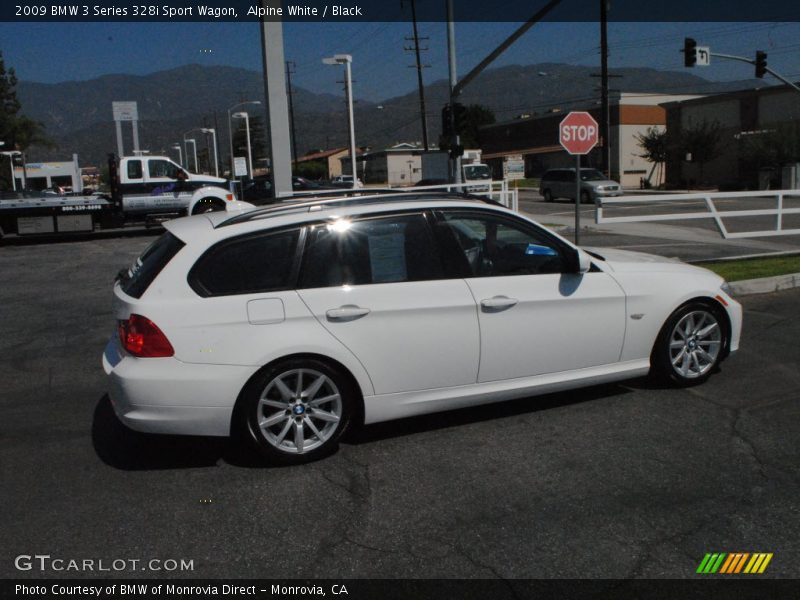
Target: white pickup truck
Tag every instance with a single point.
(143, 188)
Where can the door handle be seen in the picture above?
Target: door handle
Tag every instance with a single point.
(498, 303)
(348, 312)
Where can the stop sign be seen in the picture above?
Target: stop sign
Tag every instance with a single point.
(577, 133)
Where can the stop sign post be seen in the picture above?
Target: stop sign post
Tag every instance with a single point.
(577, 134)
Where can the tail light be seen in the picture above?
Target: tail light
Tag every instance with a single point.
(141, 337)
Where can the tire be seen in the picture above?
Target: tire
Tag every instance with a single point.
(207, 205)
(585, 197)
(548, 196)
(275, 419)
(690, 345)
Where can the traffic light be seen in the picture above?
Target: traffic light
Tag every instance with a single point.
(761, 63)
(689, 52)
(459, 115)
(447, 124)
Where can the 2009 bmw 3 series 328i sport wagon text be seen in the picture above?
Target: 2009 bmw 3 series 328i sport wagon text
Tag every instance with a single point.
(291, 323)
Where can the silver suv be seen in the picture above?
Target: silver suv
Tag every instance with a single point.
(560, 183)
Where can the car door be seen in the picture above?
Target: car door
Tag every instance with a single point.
(535, 316)
(166, 191)
(377, 285)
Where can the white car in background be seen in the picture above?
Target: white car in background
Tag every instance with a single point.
(292, 323)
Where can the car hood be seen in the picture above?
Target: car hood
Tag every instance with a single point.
(626, 260)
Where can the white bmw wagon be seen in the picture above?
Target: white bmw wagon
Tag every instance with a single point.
(292, 323)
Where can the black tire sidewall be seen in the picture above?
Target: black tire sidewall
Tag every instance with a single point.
(661, 364)
(248, 415)
(548, 196)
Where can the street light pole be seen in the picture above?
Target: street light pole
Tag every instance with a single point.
(230, 128)
(213, 133)
(180, 153)
(194, 153)
(347, 59)
(246, 117)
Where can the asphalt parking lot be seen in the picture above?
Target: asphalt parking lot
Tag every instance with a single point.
(615, 481)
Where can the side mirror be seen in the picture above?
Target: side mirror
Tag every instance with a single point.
(584, 262)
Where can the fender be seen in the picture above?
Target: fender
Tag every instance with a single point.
(226, 197)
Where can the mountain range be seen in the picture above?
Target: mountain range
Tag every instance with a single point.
(77, 114)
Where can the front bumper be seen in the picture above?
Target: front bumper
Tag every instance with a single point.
(166, 395)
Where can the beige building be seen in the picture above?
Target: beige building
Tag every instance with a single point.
(329, 159)
(399, 165)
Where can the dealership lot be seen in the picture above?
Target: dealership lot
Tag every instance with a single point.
(613, 481)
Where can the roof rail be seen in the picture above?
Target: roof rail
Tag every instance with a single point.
(300, 204)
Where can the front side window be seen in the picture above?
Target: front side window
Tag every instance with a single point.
(246, 265)
(162, 168)
(378, 250)
(496, 246)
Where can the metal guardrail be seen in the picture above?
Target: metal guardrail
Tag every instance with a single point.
(712, 211)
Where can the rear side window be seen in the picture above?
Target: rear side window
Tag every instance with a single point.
(149, 265)
(246, 265)
(134, 169)
(387, 249)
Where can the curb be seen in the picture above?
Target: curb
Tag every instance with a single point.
(765, 285)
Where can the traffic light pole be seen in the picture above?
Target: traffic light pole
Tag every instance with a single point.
(752, 62)
(577, 199)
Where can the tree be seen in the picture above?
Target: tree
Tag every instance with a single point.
(654, 145)
(474, 117)
(17, 131)
(773, 148)
(702, 142)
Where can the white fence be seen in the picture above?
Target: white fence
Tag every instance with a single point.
(715, 208)
(497, 190)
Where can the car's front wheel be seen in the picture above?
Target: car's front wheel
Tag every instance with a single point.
(548, 196)
(585, 197)
(296, 410)
(690, 345)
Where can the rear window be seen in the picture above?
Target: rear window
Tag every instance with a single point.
(246, 265)
(149, 265)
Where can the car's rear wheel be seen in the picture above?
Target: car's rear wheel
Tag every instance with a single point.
(690, 345)
(548, 196)
(296, 411)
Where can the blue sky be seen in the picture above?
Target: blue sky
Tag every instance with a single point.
(55, 52)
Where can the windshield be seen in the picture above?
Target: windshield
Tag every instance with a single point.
(477, 172)
(592, 175)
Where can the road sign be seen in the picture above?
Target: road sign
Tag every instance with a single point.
(577, 133)
(125, 111)
(703, 56)
(239, 166)
(514, 167)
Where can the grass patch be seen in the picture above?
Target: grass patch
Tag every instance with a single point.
(753, 268)
(531, 182)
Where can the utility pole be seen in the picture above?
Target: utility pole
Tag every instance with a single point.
(416, 39)
(290, 92)
(451, 64)
(605, 121)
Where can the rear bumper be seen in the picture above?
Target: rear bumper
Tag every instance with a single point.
(165, 395)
